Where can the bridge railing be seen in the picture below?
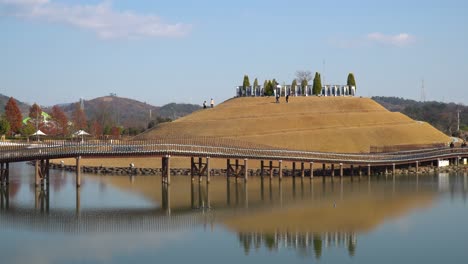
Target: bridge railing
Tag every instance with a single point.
(204, 147)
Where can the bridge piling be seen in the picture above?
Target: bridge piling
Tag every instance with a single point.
(311, 170)
(36, 173)
(417, 167)
(208, 170)
(393, 169)
(341, 170)
(368, 170)
(332, 171)
(323, 170)
(192, 168)
(271, 169)
(280, 172)
(262, 169)
(302, 170)
(246, 170)
(77, 173)
(293, 169)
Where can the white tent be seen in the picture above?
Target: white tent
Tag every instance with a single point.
(38, 133)
(81, 133)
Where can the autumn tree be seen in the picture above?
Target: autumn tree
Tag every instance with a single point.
(96, 128)
(60, 119)
(13, 115)
(35, 113)
(79, 117)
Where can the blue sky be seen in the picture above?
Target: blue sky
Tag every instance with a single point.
(189, 51)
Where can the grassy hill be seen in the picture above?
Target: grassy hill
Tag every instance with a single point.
(336, 124)
(443, 116)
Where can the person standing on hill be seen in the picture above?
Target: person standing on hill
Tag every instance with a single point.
(204, 104)
(212, 103)
(287, 98)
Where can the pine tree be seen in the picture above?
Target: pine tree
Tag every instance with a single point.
(304, 84)
(351, 81)
(13, 115)
(317, 86)
(293, 86)
(245, 83)
(269, 88)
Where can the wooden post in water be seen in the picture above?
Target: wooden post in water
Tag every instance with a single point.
(228, 168)
(262, 171)
(192, 168)
(7, 173)
(36, 173)
(208, 170)
(280, 173)
(271, 169)
(368, 170)
(323, 170)
(311, 170)
(47, 174)
(352, 170)
(341, 170)
(302, 170)
(417, 167)
(294, 169)
(78, 171)
(246, 170)
(168, 169)
(393, 169)
(200, 164)
(333, 170)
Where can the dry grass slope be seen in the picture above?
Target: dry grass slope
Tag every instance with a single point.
(329, 124)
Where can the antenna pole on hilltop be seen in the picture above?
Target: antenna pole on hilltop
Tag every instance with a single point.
(458, 120)
(423, 92)
(323, 72)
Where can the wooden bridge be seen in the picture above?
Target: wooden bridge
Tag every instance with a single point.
(200, 150)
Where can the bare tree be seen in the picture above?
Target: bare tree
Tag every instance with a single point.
(303, 75)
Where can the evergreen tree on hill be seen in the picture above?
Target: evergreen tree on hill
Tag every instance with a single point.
(351, 81)
(317, 85)
(245, 83)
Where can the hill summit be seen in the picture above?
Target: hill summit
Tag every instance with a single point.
(327, 124)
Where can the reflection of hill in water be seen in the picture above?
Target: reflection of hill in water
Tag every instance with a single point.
(345, 206)
(353, 214)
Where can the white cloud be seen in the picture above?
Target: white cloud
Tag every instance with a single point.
(101, 19)
(399, 40)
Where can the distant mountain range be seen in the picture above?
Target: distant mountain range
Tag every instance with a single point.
(443, 116)
(117, 110)
(24, 108)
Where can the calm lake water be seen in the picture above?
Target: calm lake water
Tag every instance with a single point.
(122, 219)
